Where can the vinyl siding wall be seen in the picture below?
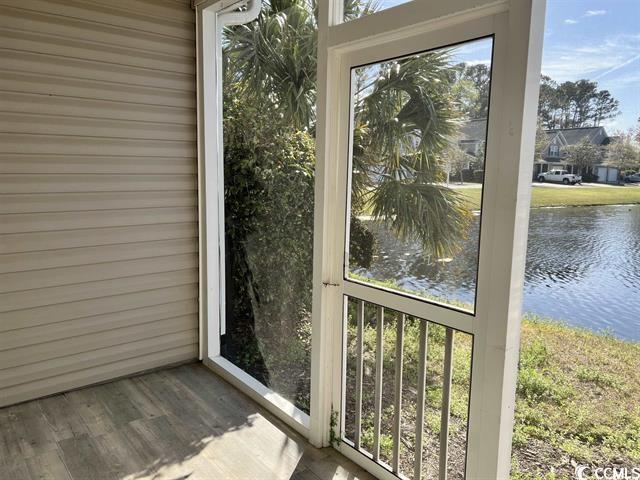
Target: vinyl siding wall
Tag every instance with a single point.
(98, 199)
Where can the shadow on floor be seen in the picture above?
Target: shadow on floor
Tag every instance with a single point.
(175, 424)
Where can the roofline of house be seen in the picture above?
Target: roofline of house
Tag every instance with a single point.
(550, 130)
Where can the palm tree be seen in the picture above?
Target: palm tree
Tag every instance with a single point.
(405, 118)
(273, 59)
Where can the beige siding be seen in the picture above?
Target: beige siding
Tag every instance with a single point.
(98, 201)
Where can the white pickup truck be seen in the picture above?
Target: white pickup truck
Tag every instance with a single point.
(560, 176)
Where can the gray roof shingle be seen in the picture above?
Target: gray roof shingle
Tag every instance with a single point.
(474, 130)
(573, 136)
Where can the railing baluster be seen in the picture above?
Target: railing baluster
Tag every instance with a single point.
(397, 405)
(359, 370)
(378, 384)
(423, 350)
(446, 403)
(422, 384)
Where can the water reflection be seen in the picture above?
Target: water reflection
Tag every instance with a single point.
(404, 263)
(583, 266)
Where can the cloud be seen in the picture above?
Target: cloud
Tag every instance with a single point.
(570, 21)
(595, 13)
(617, 67)
(613, 124)
(631, 79)
(571, 61)
(486, 62)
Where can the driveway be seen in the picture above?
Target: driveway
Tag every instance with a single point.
(549, 185)
(583, 185)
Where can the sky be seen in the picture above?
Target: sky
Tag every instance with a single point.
(598, 40)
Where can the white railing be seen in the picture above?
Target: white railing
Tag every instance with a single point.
(356, 442)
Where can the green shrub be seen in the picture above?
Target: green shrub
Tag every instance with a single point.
(535, 385)
(269, 186)
(534, 355)
(591, 375)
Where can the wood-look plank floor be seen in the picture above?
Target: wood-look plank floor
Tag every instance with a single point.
(175, 424)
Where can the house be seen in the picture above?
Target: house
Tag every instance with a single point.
(112, 250)
(555, 155)
(472, 138)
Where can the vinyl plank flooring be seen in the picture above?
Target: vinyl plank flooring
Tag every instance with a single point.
(225, 406)
(127, 452)
(92, 411)
(30, 430)
(159, 433)
(48, 466)
(15, 471)
(62, 417)
(85, 460)
(207, 386)
(119, 407)
(171, 452)
(231, 455)
(202, 469)
(183, 423)
(271, 446)
(191, 432)
(9, 448)
(143, 401)
(173, 397)
(304, 475)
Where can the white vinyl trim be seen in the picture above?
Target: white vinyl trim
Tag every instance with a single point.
(410, 305)
(275, 403)
(211, 19)
(512, 124)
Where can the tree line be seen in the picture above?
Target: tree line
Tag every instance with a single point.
(570, 104)
(575, 104)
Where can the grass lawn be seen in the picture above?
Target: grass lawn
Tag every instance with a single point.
(569, 196)
(578, 399)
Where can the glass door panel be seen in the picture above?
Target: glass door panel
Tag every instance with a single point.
(269, 162)
(419, 130)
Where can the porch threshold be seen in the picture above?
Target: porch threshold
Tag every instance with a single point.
(179, 423)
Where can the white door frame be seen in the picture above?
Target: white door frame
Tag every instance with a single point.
(518, 29)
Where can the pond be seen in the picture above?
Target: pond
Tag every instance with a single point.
(583, 267)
